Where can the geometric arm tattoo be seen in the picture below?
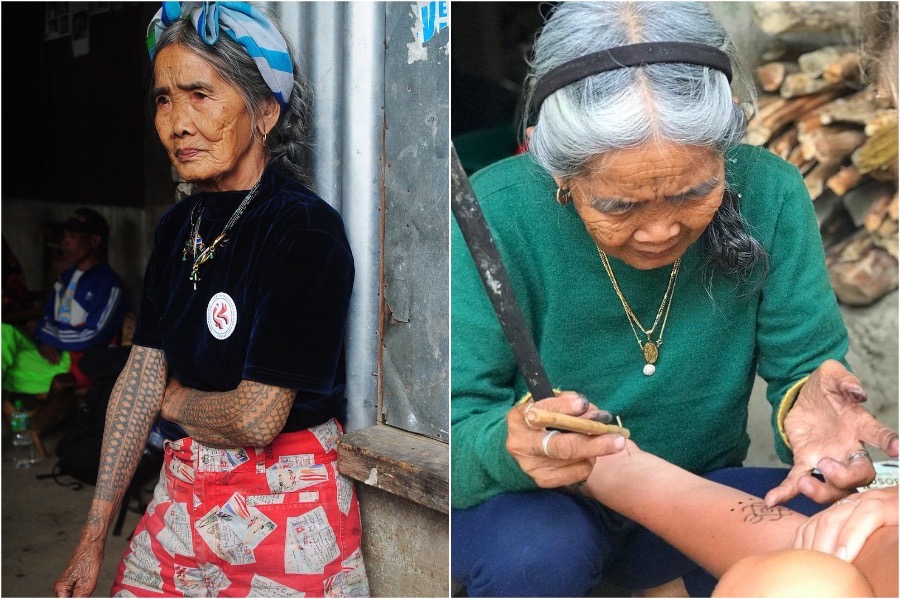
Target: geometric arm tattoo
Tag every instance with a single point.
(756, 511)
(133, 407)
(250, 415)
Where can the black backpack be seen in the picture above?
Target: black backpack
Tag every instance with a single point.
(79, 449)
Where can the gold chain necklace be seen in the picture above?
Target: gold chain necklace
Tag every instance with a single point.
(194, 245)
(650, 348)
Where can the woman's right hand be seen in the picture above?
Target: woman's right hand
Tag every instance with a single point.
(79, 579)
(843, 528)
(568, 458)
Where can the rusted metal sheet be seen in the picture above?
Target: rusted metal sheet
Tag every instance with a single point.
(415, 359)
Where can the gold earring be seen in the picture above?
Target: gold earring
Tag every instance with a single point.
(563, 196)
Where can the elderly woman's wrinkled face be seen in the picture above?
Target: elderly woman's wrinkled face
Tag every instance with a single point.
(646, 205)
(203, 123)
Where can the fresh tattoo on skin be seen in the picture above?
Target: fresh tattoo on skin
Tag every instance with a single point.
(756, 511)
(251, 415)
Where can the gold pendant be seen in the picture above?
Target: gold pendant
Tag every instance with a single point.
(651, 352)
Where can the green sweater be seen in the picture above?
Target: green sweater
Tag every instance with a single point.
(693, 410)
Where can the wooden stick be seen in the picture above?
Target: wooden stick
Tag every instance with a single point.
(771, 75)
(845, 68)
(844, 180)
(804, 84)
(538, 418)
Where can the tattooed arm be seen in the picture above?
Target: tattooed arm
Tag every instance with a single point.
(250, 415)
(133, 407)
(713, 524)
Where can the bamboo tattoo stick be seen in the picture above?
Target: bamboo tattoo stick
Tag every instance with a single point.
(536, 418)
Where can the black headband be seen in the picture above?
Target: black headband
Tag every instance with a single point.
(628, 56)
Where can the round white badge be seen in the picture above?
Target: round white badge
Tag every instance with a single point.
(221, 316)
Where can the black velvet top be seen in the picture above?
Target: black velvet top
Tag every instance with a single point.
(271, 306)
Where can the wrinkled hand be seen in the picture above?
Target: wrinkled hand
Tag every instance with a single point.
(49, 353)
(172, 400)
(571, 452)
(80, 576)
(825, 426)
(843, 528)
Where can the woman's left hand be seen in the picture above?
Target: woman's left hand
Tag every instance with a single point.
(827, 427)
(172, 400)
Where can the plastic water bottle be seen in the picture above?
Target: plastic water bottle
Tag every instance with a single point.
(23, 449)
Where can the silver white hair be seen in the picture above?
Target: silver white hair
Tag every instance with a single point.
(690, 105)
(288, 140)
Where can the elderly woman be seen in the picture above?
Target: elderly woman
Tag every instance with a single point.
(239, 343)
(660, 266)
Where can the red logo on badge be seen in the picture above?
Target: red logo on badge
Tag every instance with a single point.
(220, 315)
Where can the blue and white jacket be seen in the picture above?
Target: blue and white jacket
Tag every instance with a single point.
(96, 313)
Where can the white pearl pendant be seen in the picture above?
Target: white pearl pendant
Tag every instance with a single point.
(649, 369)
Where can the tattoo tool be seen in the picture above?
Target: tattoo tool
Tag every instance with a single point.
(492, 271)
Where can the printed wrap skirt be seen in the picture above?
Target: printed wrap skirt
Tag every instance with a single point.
(275, 521)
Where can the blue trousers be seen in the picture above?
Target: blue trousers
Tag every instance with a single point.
(547, 543)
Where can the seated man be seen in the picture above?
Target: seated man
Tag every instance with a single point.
(86, 310)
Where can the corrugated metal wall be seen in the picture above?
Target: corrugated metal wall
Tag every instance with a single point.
(343, 47)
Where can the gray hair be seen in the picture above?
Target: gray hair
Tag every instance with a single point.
(686, 104)
(288, 140)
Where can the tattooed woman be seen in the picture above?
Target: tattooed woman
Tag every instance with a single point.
(661, 266)
(239, 343)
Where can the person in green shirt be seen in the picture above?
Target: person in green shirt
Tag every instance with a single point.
(660, 266)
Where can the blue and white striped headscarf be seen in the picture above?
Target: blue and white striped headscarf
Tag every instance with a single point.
(245, 25)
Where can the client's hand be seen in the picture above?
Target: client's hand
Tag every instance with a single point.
(552, 458)
(843, 528)
(49, 353)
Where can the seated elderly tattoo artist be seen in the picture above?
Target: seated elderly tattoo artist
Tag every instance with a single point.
(661, 265)
(239, 340)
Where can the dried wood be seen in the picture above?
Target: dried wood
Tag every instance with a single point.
(859, 108)
(878, 211)
(779, 114)
(831, 144)
(781, 17)
(882, 119)
(771, 75)
(784, 143)
(845, 68)
(814, 63)
(816, 177)
(892, 207)
(861, 273)
(844, 180)
(804, 84)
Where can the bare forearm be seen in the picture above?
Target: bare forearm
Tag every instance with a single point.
(251, 415)
(133, 406)
(713, 524)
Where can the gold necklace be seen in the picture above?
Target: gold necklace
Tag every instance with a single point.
(650, 348)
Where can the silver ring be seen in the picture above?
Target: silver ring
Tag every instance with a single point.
(853, 501)
(545, 443)
(861, 454)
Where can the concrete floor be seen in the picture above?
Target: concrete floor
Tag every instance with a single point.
(41, 523)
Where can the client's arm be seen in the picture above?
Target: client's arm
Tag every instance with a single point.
(715, 525)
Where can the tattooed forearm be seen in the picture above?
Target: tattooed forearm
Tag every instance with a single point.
(250, 415)
(755, 511)
(133, 406)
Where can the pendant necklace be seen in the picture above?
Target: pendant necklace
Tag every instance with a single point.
(650, 348)
(194, 245)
